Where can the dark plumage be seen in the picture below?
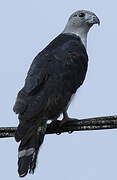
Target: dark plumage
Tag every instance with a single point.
(54, 76)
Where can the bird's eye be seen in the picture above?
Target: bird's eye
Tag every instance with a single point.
(75, 15)
(81, 15)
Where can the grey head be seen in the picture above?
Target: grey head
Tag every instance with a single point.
(80, 22)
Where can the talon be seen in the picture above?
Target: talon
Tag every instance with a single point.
(70, 132)
(58, 133)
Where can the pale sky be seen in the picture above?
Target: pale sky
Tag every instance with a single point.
(26, 27)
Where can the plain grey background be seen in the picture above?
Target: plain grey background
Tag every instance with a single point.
(26, 27)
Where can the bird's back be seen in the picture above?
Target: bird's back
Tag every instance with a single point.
(59, 69)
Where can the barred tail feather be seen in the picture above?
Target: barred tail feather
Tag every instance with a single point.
(28, 151)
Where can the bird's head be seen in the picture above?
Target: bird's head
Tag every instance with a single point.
(80, 22)
(83, 18)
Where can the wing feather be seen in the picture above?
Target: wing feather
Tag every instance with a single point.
(65, 65)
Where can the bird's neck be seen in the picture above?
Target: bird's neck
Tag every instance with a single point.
(81, 32)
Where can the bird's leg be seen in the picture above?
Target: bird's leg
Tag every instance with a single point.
(66, 118)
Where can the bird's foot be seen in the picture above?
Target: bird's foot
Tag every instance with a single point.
(66, 120)
(54, 123)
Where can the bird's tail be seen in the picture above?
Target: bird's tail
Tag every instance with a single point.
(28, 149)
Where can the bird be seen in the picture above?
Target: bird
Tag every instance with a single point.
(52, 80)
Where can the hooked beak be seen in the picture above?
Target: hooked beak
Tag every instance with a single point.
(93, 20)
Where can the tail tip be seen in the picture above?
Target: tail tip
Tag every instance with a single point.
(23, 174)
